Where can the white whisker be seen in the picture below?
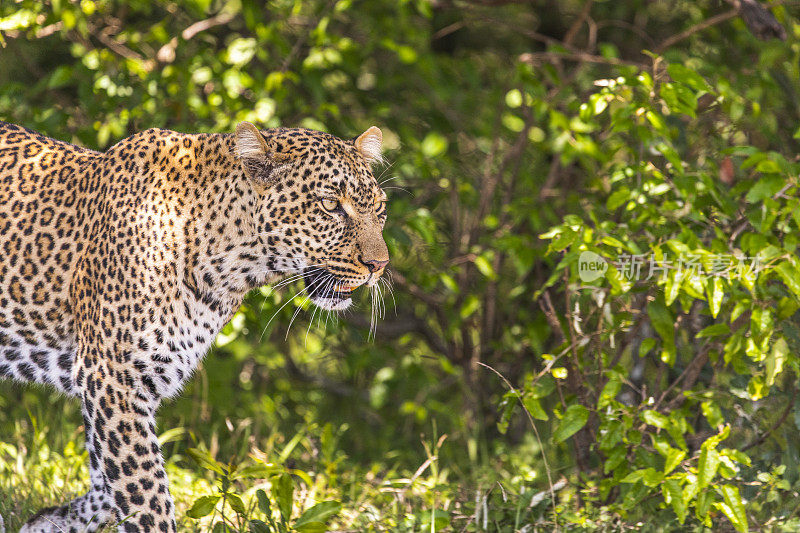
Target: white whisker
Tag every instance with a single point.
(296, 312)
(279, 310)
(388, 285)
(384, 171)
(387, 179)
(328, 280)
(400, 189)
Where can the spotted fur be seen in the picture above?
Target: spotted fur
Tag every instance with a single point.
(118, 269)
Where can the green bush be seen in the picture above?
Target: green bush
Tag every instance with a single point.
(505, 390)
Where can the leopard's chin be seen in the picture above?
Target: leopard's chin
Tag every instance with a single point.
(326, 292)
(332, 304)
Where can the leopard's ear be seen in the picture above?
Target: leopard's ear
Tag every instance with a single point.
(369, 144)
(259, 161)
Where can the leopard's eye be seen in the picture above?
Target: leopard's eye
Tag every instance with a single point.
(329, 204)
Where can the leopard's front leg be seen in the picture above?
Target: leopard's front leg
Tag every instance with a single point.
(125, 449)
(129, 483)
(90, 512)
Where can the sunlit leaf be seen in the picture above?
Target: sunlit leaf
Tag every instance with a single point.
(575, 417)
(319, 513)
(203, 506)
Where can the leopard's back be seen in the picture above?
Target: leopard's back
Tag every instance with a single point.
(45, 210)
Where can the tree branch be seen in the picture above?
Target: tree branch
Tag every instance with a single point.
(217, 20)
(760, 439)
(713, 21)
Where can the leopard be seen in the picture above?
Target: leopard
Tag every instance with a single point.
(119, 268)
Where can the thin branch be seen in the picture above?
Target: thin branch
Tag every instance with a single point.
(760, 439)
(116, 46)
(536, 432)
(534, 58)
(692, 374)
(713, 21)
(217, 20)
(546, 305)
(691, 369)
(759, 20)
(569, 37)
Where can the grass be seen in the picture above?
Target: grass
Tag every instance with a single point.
(273, 482)
(249, 443)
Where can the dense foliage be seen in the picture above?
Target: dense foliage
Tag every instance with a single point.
(594, 235)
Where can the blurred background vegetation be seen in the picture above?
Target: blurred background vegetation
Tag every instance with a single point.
(501, 392)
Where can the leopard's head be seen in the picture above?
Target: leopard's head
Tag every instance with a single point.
(320, 205)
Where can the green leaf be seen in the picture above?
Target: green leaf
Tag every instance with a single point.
(611, 432)
(775, 359)
(256, 471)
(534, 407)
(715, 330)
(613, 241)
(258, 526)
(671, 490)
(734, 508)
(714, 440)
(263, 502)
(790, 277)
(507, 409)
(654, 418)
(715, 292)
(485, 267)
(765, 188)
(283, 491)
(634, 476)
(647, 345)
(236, 503)
(649, 476)
(436, 520)
(202, 506)
(707, 467)
(652, 477)
(574, 419)
(679, 98)
(319, 513)
(609, 393)
(615, 458)
(738, 456)
(221, 527)
(205, 460)
(617, 198)
(673, 459)
(657, 121)
(712, 413)
(756, 388)
(663, 323)
(171, 435)
(702, 505)
(312, 527)
(768, 166)
(471, 305)
(687, 76)
(564, 239)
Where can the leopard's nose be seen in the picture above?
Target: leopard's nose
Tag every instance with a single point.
(373, 264)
